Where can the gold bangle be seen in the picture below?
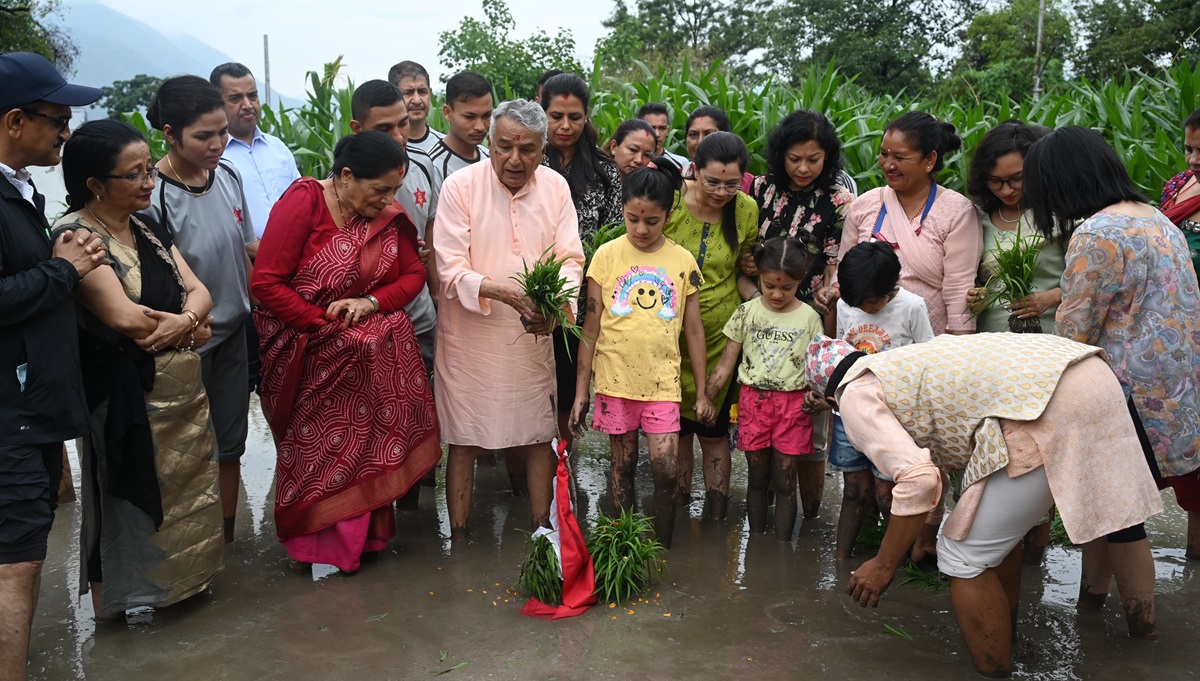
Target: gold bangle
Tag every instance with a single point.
(195, 318)
(374, 301)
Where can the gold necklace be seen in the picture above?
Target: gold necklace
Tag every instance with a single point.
(186, 188)
(109, 231)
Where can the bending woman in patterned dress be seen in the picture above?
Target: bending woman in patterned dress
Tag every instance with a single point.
(343, 383)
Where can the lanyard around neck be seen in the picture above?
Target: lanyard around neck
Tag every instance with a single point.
(877, 236)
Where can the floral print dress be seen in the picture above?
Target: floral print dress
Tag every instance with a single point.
(814, 217)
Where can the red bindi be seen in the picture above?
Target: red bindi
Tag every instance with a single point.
(566, 97)
(722, 171)
(518, 138)
(642, 212)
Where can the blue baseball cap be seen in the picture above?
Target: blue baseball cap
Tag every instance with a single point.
(26, 77)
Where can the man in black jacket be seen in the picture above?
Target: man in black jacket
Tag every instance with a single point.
(41, 390)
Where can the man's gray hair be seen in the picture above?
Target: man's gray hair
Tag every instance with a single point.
(522, 112)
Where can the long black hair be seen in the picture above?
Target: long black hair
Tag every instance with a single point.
(1070, 174)
(92, 151)
(799, 127)
(724, 148)
(1002, 140)
(588, 164)
(657, 183)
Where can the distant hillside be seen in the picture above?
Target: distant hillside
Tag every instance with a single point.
(114, 46)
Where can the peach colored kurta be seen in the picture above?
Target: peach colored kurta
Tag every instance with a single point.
(493, 382)
(1085, 439)
(940, 263)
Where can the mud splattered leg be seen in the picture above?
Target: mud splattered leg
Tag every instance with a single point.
(664, 456)
(717, 464)
(1009, 572)
(857, 488)
(811, 477)
(982, 612)
(1036, 541)
(784, 472)
(624, 450)
(460, 486)
(540, 465)
(1096, 575)
(686, 465)
(1134, 569)
(758, 465)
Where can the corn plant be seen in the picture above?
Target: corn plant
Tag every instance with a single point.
(606, 233)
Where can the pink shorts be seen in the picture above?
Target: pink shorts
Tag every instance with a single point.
(774, 420)
(618, 415)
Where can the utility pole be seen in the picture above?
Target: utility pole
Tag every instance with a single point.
(1037, 69)
(267, 62)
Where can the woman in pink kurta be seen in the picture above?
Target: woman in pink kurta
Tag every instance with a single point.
(494, 382)
(935, 230)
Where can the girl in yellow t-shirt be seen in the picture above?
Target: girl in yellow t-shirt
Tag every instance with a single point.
(642, 290)
(772, 333)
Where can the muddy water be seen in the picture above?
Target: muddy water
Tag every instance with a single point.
(731, 606)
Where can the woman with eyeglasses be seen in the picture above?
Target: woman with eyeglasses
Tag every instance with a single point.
(934, 229)
(718, 223)
(199, 199)
(995, 183)
(152, 533)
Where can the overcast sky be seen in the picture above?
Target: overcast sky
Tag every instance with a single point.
(373, 35)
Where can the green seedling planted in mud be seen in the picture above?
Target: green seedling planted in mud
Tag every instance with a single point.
(539, 572)
(626, 557)
(898, 632)
(925, 580)
(548, 289)
(606, 233)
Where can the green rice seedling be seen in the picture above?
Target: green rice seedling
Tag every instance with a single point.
(1058, 533)
(1012, 271)
(548, 289)
(606, 233)
(539, 572)
(898, 632)
(925, 580)
(626, 556)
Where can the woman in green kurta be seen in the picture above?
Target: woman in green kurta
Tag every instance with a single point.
(995, 184)
(718, 223)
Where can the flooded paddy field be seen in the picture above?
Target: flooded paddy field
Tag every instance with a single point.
(729, 606)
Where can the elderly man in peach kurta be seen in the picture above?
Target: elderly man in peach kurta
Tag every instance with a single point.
(494, 368)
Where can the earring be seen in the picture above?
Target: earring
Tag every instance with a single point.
(345, 184)
(98, 198)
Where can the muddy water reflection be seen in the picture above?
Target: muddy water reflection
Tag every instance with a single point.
(731, 606)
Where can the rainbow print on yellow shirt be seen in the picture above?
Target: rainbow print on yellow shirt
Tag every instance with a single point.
(646, 288)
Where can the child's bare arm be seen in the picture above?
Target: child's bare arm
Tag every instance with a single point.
(830, 322)
(587, 352)
(746, 287)
(720, 374)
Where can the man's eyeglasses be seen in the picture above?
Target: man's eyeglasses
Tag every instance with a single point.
(995, 183)
(150, 174)
(711, 186)
(58, 121)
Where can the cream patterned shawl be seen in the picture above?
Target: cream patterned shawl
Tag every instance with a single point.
(951, 392)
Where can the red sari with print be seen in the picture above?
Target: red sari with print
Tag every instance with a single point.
(351, 409)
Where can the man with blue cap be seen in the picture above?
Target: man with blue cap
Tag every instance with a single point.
(41, 389)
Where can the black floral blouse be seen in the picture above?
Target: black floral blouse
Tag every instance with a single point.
(601, 203)
(814, 217)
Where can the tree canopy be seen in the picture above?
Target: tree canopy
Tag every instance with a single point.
(124, 96)
(488, 48)
(27, 26)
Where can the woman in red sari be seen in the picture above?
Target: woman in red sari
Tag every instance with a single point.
(343, 384)
(1181, 197)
